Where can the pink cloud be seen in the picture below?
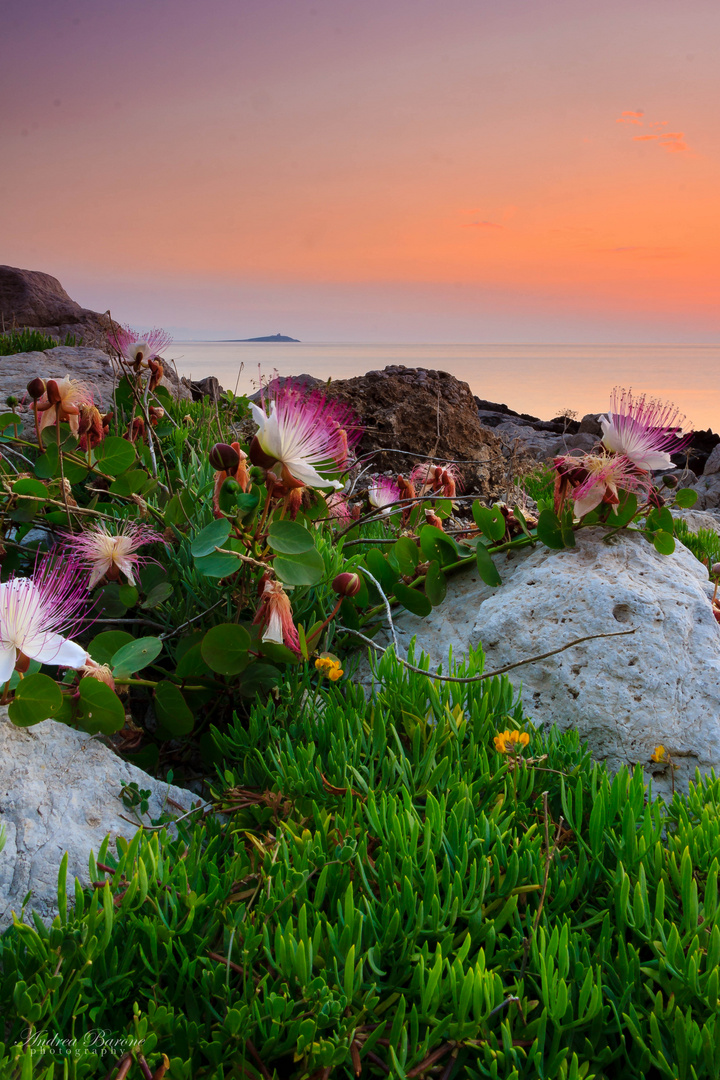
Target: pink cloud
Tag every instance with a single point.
(673, 141)
(630, 117)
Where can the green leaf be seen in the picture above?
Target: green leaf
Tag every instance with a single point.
(28, 486)
(171, 709)
(131, 483)
(413, 600)
(135, 656)
(103, 646)
(191, 663)
(664, 542)
(435, 584)
(99, 709)
(290, 538)
(114, 455)
(108, 602)
(305, 569)
(37, 698)
(225, 648)
(278, 654)
(486, 567)
(381, 569)
(259, 678)
(180, 509)
(47, 466)
(626, 511)
(219, 565)
(685, 498)
(549, 530)
(435, 544)
(490, 521)
(158, 595)
(213, 535)
(10, 418)
(128, 595)
(407, 555)
(666, 520)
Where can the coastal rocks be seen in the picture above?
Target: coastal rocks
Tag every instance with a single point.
(525, 437)
(37, 301)
(412, 413)
(624, 695)
(60, 791)
(203, 388)
(92, 366)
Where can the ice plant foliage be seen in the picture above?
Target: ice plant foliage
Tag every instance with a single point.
(644, 430)
(383, 492)
(304, 432)
(36, 612)
(63, 400)
(139, 348)
(276, 618)
(109, 553)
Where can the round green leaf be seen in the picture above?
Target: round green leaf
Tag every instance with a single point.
(28, 486)
(664, 542)
(305, 569)
(114, 455)
(381, 569)
(685, 498)
(225, 648)
(47, 465)
(135, 656)
(487, 569)
(171, 709)
(99, 708)
(435, 584)
(158, 595)
(407, 555)
(549, 531)
(435, 544)
(213, 535)
(128, 595)
(289, 538)
(413, 600)
(103, 646)
(36, 699)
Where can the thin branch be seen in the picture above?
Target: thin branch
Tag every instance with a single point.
(487, 674)
(386, 602)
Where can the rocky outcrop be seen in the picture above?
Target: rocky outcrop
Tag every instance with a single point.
(90, 365)
(34, 300)
(410, 414)
(526, 439)
(60, 791)
(624, 695)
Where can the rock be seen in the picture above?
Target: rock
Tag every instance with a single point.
(60, 791)
(712, 465)
(539, 444)
(203, 388)
(308, 381)
(699, 519)
(590, 424)
(37, 301)
(708, 489)
(624, 695)
(405, 408)
(91, 365)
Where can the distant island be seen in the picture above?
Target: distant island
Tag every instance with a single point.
(271, 337)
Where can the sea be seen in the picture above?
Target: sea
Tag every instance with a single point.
(543, 380)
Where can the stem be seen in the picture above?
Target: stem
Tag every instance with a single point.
(37, 428)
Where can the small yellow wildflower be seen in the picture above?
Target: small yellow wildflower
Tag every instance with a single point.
(329, 666)
(659, 754)
(510, 742)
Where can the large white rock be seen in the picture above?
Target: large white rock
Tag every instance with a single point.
(624, 695)
(60, 791)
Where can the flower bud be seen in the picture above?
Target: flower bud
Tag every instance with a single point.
(347, 584)
(36, 389)
(53, 393)
(715, 570)
(670, 481)
(223, 457)
(11, 401)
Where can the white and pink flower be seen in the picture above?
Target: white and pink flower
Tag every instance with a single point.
(383, 491)
(36, 613)
(63, 401)
(304, 432)
(275, 615)
(592, 479)
(107, 554)
(644, 430)
(138, 348)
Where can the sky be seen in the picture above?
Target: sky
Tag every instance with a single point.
(370, 170)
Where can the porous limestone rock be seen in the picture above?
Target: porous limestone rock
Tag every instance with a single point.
(624, 695)
(412, 413)
(92, 366)
(60, 791)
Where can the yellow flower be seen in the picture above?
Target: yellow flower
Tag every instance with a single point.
(659, 754)
(329, 666)
(510, 742)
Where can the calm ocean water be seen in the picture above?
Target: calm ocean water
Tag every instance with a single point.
(539, 379)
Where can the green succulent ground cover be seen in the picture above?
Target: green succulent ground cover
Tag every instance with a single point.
(17, 341)
(387, 895)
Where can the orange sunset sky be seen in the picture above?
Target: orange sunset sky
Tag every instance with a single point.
(370, 170)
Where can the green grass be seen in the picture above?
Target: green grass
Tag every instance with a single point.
(18, 341)
(386, 889)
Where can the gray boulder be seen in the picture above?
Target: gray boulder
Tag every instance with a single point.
(624, 695)
(60, 791)
(92, 366)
